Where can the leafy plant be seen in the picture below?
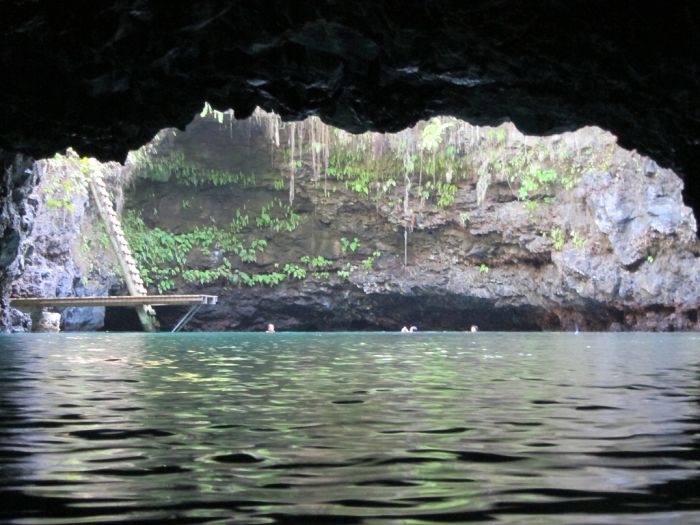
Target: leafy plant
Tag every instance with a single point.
(268, 279)
(349, 245)
(498, 134)
(531, 206)
(483, 268)
(294, 272)
(61, 190)
(557, 237)
(578, 239)
(277, 216)
(464, 218)
(162, 168)
(431, 136)
(368, 263)
(569, 182)
(446, 193)
(536, 180)
(316, 263)
(209, 111)
(249, 255)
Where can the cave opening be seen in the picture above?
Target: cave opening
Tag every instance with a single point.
(441, 225)
(385, 73)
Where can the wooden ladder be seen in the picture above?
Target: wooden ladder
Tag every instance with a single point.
(115, 232)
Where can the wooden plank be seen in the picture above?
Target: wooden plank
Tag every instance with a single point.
(122, 300)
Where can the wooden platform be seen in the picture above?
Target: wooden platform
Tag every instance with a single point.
(121, 300)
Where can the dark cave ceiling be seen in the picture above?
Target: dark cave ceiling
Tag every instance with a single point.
(104, 77)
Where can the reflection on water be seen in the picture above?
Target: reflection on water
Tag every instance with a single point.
(350, 428)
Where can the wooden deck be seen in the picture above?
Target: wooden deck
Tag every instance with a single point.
(121, 300)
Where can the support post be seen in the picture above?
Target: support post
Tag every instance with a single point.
(186, 318)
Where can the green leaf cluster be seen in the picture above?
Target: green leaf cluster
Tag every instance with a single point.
(61, 191)
(431, 136)
(558, 238)
(277, 216)
(536, 180)
(162, 168)
(163, 257)
(347, 245)
(368, 263)
(316, 263)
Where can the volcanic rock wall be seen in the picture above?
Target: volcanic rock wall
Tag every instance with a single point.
(67, 252)
(17, 212)
(105, 76)
(612, 247)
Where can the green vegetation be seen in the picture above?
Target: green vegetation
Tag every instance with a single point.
(557, 237)
(294, 272)
(215, 114)
(578, 239)
(531, 206)
(535, 181)
(165, 258)
(377, 175)
(163, 168)
(60, 192)
(368, 263)
(408, 176)
(446, 193)
(162, 256)
(277, 216)
(349, 246)
(316, 263)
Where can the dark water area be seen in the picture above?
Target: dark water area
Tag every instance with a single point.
(410, 429)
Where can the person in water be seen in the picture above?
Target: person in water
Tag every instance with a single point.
(270, 329)
(474, 328)
(409, 330)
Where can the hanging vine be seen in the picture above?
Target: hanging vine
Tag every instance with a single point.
(292, 160)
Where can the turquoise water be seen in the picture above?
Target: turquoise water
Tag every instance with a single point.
(383, 428)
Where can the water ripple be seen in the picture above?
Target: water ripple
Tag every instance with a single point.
(372, 429)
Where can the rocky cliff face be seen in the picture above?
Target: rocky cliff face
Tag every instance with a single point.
(17, 213)
(104, 78)
(67, 252)
(442, 226)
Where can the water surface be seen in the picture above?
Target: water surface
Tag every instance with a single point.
(408, 429)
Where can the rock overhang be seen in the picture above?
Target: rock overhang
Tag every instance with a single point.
(104, 77)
